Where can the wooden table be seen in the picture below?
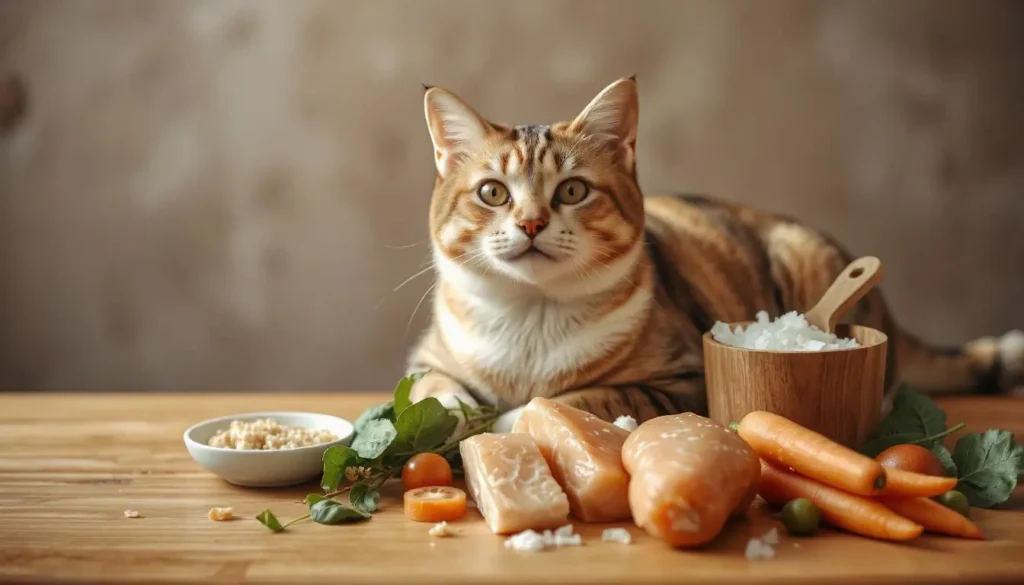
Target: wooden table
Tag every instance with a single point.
(71, 464)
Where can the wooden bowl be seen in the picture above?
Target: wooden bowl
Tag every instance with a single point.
(837, 393)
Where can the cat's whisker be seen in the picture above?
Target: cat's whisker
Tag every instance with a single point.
(406, 246)
(415, 310)
(582, 277)
(414, 276)
(430, 266)
(476, 256)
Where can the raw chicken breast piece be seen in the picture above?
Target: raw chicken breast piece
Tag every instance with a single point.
(511, 483)
(688, 476)
(585, 456)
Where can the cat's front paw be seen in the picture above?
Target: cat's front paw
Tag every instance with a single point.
(506, 421)
(450, 400)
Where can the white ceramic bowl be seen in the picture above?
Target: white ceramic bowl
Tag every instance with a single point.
(276, 468)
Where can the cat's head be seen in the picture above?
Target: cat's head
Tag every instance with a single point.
(552, 207)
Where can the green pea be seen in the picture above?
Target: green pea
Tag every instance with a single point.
(955, 500)
(801, 517)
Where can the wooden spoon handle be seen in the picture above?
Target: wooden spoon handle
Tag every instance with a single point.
(853, 283)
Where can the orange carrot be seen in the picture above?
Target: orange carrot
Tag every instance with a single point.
(907, 483)
(850, 512)
(812, 454)
(933, 516)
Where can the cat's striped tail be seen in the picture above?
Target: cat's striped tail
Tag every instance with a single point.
(989, 365)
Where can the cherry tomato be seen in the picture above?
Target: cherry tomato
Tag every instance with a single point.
(911, 458)
(435, 504)
(426, 469)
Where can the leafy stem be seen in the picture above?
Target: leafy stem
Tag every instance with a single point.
(374, 482)
(936, 436)
(296, 520)
(453, 443)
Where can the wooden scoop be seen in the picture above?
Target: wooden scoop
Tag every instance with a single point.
(853, 283)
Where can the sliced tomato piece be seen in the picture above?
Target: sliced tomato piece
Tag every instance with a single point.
(435, 504)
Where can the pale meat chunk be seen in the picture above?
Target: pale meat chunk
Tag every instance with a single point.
(511, 483)
(585, 456)
(689, 475)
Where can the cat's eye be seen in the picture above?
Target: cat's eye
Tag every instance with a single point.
(493, 193)
(571, 191)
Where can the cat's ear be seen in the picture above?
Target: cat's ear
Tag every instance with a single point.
(613, 116)
(455, 128)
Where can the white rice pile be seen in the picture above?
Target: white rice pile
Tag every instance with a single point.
(790, 332)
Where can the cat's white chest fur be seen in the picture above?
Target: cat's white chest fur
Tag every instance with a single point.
(527, 345)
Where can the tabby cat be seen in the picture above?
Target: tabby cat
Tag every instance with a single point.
(556, 277)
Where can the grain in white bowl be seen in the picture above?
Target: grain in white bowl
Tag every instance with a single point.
(266, 434)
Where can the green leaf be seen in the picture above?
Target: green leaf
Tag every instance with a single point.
(914, 418)
(373, 413)
(331, 512)
(267, 518)
(375, 439)
(988, 465)
(402, 391)
(364, 498)
(312, 499)
(467, 410)
(336, 459)
(424, 426)
(942, 453)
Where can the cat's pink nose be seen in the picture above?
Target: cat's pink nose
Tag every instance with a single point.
(532, 227)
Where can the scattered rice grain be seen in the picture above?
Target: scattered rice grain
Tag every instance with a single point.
(441, 530)
(619, 535)
(626, 422)
(221, 514)
(531, 540)
(758, 549)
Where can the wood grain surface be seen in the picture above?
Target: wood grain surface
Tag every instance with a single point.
(71, 464)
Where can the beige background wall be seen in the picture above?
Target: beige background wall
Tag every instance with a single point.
(223, 194)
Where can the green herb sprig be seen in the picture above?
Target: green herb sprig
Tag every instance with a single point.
(987, 465)
(386, 437)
